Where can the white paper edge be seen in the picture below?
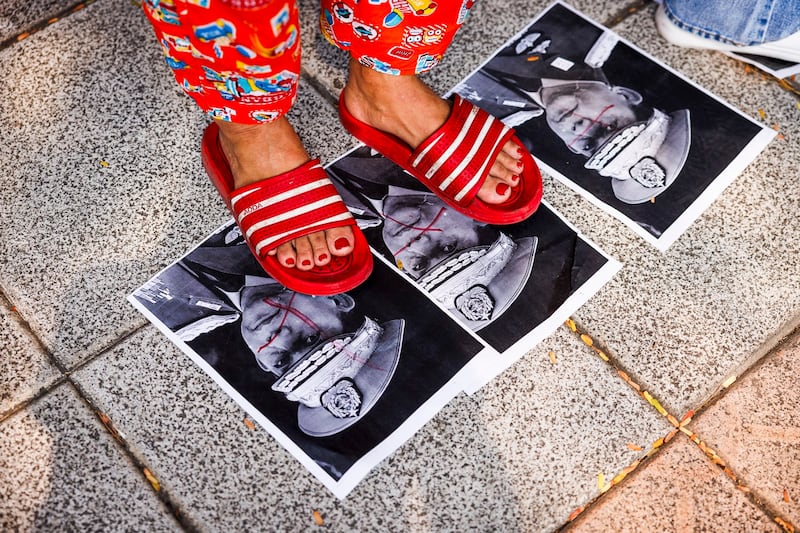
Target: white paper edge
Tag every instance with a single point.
(714, 190)
(740, 162)
(484, 366)
(487, 366)
(782, 73)
(365, 464)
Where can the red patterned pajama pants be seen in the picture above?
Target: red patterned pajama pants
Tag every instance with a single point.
(240, 59)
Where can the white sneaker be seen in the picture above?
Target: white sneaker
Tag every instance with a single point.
(787, 49)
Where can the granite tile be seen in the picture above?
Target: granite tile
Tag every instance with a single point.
(755, 429)
(24, 368)
(679, 490)
(519, 455)
(490, 24)
(108, 162)
(61, 471)
(721, 296)
(557, 427)
(17, 16)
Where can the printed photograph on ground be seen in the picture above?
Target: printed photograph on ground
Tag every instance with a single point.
(772, 66)
(511, 285)
(340, 381)
(633, 136)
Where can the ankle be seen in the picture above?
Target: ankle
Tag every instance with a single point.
(259, 151)
(377, 87)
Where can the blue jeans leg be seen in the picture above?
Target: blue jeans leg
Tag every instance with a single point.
(739, 22)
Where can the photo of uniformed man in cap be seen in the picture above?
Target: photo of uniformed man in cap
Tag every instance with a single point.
(608, 119)
(337, 374)
(500, 281)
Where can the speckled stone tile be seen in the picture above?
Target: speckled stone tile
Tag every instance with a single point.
(17, 16)
(108, 164)
(556, 427)
(519, 455)
(721, 296)
(755, 429)
(24, 369)
(60, 470)
(490, 24)
(679, 490)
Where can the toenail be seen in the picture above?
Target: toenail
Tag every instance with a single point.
(289, 261)
(514, 177)
(322, 257)
(501, 188)
(306, 262)
(519, 164)
(340, 243)
(521, 152)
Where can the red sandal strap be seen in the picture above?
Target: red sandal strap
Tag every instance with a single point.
(457, 157)
(279, 209)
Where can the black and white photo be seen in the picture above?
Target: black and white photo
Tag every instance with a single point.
(772, 66)
(627, 132)
(502, 282)
(333, 378)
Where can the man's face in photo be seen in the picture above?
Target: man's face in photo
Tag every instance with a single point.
(281, 326)
(585, 114)
(420, 230)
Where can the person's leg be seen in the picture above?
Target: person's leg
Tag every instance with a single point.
(388, 48)
(764, 27)
(241, 66)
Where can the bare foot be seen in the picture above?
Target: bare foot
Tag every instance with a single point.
(256, 152)
(404, 106)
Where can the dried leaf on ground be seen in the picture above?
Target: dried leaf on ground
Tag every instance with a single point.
(152, 479)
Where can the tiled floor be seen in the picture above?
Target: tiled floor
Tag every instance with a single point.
(101, 186)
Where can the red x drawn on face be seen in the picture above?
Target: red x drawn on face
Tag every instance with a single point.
(287, 310)
(422, 231)
(592, 122)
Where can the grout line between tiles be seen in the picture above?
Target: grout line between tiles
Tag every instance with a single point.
(161, 493)
(681, 426)
(764, 507)
(66, 377)
(655, 447)
(626, 11)
(41, 393)
(42, 24)
(639, 464)
(319, 87)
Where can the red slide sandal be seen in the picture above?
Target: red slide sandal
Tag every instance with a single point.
(278, 209)
(454, 161)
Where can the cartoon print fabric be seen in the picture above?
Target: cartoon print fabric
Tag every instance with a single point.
(394, 36)
(240, 59)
